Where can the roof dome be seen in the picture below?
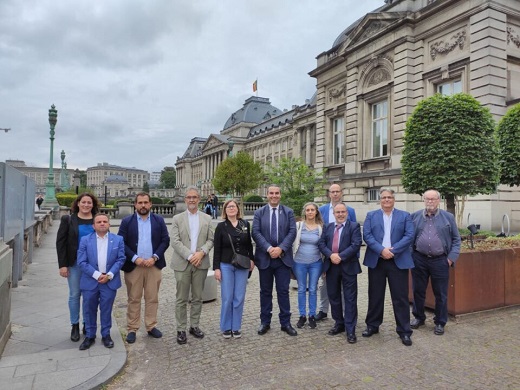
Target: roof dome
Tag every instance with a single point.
(116, 179)
(255, 110)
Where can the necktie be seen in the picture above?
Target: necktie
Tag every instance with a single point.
(335, 240)
(274, 229)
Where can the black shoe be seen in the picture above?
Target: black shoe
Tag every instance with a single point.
(312, 322)
(263, 328)
(406, 340)
(195, 331)
(415, 323)
(337, 329)
(301, 322)
(321, 316)
(227, 334)
(237, 334)
(181, 337)
(369, 332)
(130, 337)
(107, 341)
(84, 330)
(351, 338)
(155, 333)
(87, 343)
(438, 330)
(289, 330)
(74, 332)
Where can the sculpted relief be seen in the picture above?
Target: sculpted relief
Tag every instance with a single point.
(443, 47)
(338, 92)
(513, 37)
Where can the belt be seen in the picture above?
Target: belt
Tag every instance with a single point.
(430, 256)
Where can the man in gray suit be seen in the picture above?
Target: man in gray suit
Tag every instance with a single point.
(191, 239)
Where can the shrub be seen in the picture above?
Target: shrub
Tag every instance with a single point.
(253, 198)
(66, 198)
(156, 200)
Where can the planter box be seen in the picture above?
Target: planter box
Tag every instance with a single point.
(481, 281)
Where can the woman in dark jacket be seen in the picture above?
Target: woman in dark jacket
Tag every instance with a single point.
(72, 228)
(233, 280)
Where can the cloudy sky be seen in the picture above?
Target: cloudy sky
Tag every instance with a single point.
(134, 80)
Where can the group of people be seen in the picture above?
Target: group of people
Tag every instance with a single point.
(211, 206)
(324, 245)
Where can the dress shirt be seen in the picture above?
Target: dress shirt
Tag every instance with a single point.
(276, 214)
(102, 253)
(429, 243)
(387, 220)
(144, 243)
(193, 219)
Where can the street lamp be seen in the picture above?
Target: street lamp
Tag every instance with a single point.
(50, 191)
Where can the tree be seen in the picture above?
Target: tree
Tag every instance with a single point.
(168, 177)
(449, 145)
(146, 187)
(237, 175)
(508, 135)
(296, 181)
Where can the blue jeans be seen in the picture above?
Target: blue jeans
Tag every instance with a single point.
(75, 295)
(313, 270)
(233, 293)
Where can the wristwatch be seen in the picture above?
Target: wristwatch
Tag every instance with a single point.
(155, 257)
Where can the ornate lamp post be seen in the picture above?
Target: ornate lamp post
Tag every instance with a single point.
(50, 191)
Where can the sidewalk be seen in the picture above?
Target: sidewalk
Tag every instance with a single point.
(40, 355)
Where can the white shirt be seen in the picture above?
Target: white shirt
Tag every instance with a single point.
(387, 221)
(194, 222)
(102, 254)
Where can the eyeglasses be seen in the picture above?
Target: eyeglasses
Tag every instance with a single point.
(430, 199)
(387, 197)
(334, 192)
(231, 207)
(191, 197)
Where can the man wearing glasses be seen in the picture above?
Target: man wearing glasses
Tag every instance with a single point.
(388, 233)
(327, 214)
(192, 239)
(436, 248)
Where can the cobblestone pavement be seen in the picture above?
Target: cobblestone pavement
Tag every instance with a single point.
(480, 351)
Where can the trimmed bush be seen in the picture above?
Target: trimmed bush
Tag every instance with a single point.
(253, 198)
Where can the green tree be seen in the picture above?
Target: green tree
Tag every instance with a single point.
(508, 134)
(296, 181)
(238, 175)
(146, 187)
(449, 145)
(168, 177)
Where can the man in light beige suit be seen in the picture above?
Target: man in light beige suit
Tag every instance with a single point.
(191, 240)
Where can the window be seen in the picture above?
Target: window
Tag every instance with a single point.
(380, 129)
(450, 88)
(338, 141)
(373, 195)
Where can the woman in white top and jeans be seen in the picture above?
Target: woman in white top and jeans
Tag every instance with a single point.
(307, 261)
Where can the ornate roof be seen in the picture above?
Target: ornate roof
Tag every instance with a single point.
(255, 110)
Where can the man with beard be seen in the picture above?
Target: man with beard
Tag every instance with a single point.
(146, 239)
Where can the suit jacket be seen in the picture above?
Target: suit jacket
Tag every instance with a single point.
(324, 211)
(349, 244)
(67, 241)
(401, 236)
(129, 230)
(181, 240)
(88, 260)
(262, 232)
(446, 229)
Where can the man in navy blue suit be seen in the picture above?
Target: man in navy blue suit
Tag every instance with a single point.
(327, 214)
(100, 257)
(274, 231)
(340, 243)
(388, 233)
(146, 239)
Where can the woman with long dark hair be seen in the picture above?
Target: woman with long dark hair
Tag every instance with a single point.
(72, 228)
(232, 235)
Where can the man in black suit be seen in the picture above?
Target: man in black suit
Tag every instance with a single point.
(274, 231)
(340, 243)
(146, 239)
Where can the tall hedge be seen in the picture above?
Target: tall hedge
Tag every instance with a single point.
(508, 134)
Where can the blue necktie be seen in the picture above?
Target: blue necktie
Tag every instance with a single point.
(274, 229)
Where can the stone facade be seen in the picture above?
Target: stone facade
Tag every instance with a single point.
(368, 84)
(40, 175)
(119, 181)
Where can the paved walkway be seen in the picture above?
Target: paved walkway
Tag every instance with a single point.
(480, 351)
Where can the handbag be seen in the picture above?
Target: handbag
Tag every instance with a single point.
(238, 260)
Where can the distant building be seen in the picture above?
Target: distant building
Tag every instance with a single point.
(39, 175)
(115, 180)
(368, 84)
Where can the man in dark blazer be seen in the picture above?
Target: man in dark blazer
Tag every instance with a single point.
(388, 233)
(436, 248)
(342, 267)
(100, 257)
(274, 231)
(327, 214)
(146, 239)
